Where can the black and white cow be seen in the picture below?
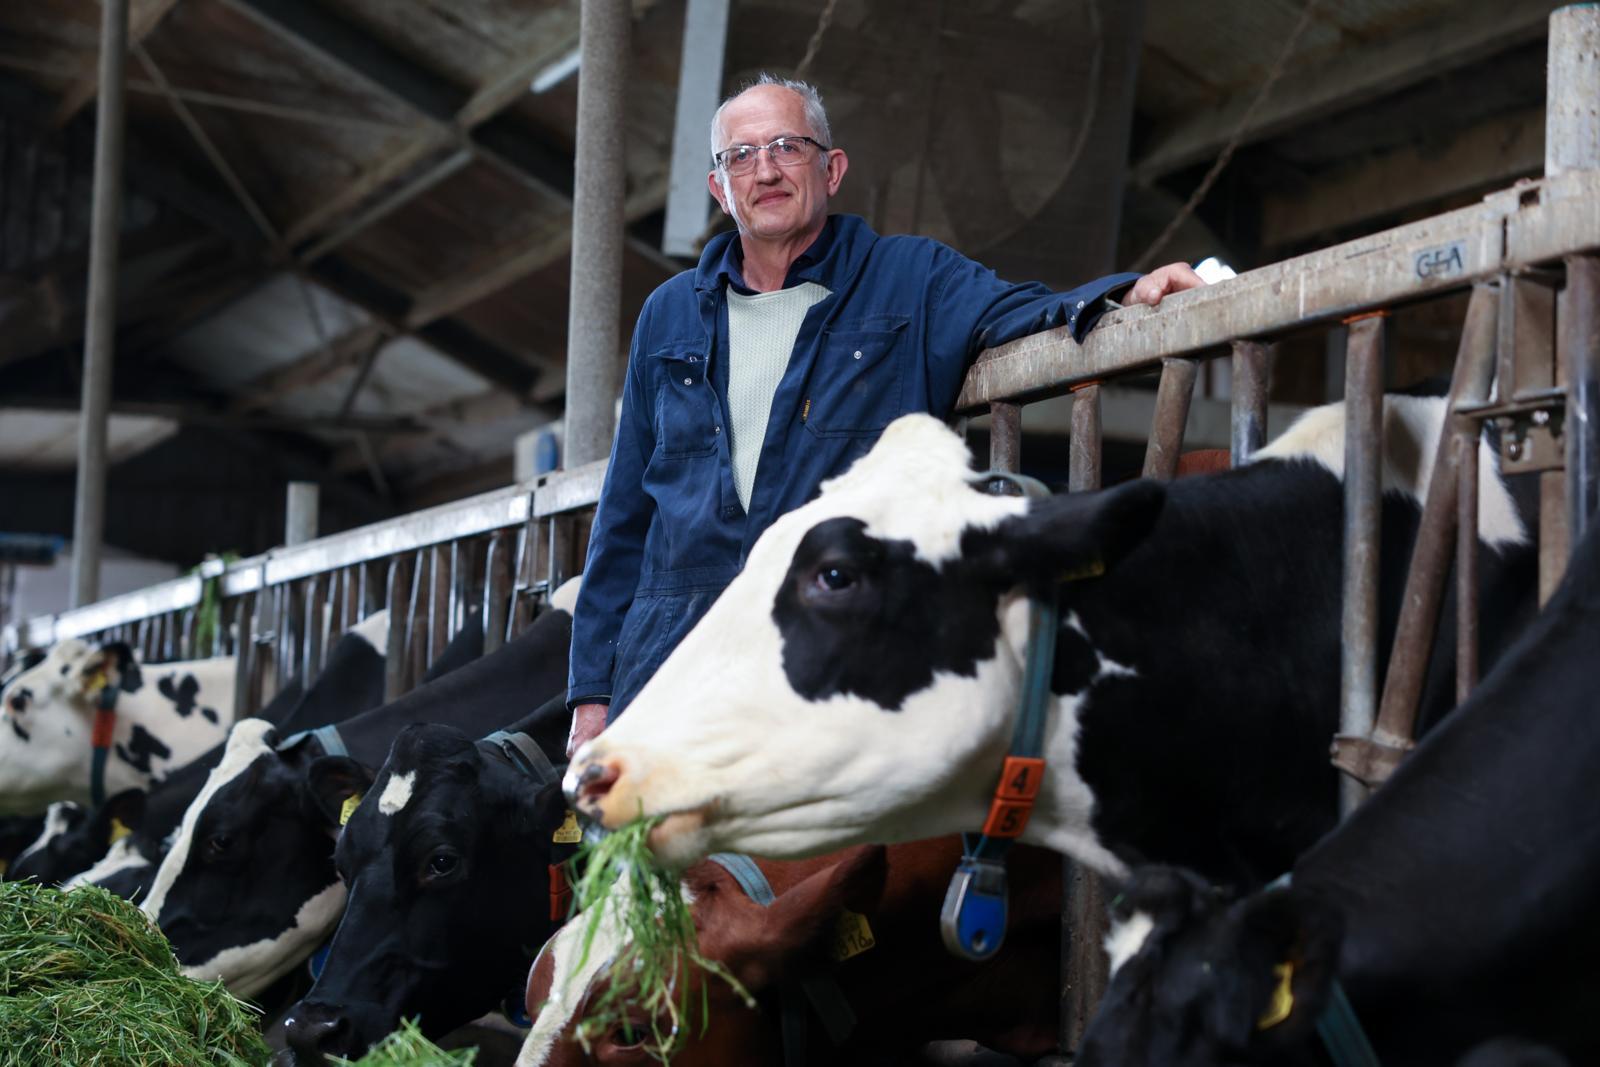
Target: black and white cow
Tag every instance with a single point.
(166, 715)
(248, 888)
(74, 838)
(858, 681)
(1456, 906)
(447, 861)
(350, 682)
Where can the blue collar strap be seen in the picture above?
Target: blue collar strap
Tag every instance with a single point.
(524, 754)
(973, 918)
(327, 736)
(1338, 1026)
(827, 999)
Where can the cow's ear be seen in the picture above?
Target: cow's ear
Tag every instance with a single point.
(332, 781)
(801, 926)
(1283, 950)
(120, 815)
(116, 663)
(1076, 535)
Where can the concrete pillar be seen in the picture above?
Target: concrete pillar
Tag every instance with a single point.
(89, 510)
(705, 37)
(595, 354)
(300, 513)
(1571, 127)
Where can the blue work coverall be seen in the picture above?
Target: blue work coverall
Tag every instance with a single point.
(905, 318)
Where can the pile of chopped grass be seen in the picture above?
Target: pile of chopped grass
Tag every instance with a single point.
(621, 876)
(86, 979)
(406, 1047)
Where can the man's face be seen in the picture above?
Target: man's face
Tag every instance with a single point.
(773, 202)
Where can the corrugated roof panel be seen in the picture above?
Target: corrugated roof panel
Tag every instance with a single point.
(48, 440)
(408, 378)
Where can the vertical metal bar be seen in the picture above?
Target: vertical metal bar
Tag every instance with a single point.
(300, 513)
(498, 581)
(1580, 343)
(1173, 395)
(1005, 437)
(438, 601)
(595, 348)
(1466, 446)
(1083, 471)
(361, 589)
(89, 509)
(311, 631)
(186, 642)
(1430, 558)
(244, 657)
(394, 667)
(1252, 383)
(1363, 471)
(416, 624)
(554, 577)
(457, 593)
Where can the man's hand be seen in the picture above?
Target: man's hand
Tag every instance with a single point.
(1173, 278)
(587, 722)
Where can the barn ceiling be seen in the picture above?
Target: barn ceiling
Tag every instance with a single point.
(348, 221)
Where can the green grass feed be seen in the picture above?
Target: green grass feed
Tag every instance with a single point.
(87, 980)
(406, 1047)
(659, 940)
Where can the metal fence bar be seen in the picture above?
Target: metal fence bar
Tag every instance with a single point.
(1466, 446)
(1173, 396)
(394, 668)
(1005, 437)
(1363, 471)
(1252, 383)
(1581, 344)
(498, 582)
(1083, 465)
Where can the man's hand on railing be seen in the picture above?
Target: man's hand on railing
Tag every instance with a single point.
(1173, 278)
(587, 722)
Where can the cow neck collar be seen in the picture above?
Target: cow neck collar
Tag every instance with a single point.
(524, 754)
(972, 920)
(328, 737)
(821, 991)
(103, 696)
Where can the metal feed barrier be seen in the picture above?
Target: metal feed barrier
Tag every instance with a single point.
(1529, 360)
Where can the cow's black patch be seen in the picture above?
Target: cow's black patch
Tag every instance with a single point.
(20, 699)
(66, 669)
(863, 616)
(209, 714)
(141, 746)
(182, 694)
(17, 729)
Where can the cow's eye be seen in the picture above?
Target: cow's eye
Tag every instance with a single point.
(835, 578)
(442, 864)
(218, 845)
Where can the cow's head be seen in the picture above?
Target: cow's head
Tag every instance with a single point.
(863, 664)
(46, 713)
(74, 838)
(248, 888)
(446, 859)
(762, 947)
(1201, 980)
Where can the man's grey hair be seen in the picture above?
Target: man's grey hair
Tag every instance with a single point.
(816, 115)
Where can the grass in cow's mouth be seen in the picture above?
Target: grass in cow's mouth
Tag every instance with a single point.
(87, 979)
(620, 875)
(406, 1047)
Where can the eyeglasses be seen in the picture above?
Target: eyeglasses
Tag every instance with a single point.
(785, 152)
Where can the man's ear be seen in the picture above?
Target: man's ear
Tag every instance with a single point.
(1282, 957)
(332, 782)
(798, 927)
(117, 662)
(1076, 535)
(716, 191)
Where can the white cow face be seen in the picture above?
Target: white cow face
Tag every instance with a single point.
(45, 718)
(856, 682)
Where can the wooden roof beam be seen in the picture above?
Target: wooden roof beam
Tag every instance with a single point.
(1309, 92)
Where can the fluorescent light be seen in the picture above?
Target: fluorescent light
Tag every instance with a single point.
(556, 73)
(1214, 270)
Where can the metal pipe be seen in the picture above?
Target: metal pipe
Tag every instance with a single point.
(394, 665)
(1363, 491)
(1580, 327)
(300, 513)
(1252, 382)
(1554, 547)
(1005, 437)
(594, 343)
(1173, 395)
(1083, 466)
(89, 514)
(1466, 446)
(1430, 558)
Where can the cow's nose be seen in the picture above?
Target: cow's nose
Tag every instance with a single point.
(314, 1029)
(18, 704)
(595, 782)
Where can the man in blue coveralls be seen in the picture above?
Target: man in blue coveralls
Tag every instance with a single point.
(770, 367)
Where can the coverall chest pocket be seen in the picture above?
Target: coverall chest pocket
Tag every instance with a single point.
(856, 385)
(686, 416)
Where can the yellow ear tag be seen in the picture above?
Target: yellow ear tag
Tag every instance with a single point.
(119, 830)
(851, 936)
(1282, 1002)
(568, 833)
(348, 808)
(1092, 569)
(97, 681)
